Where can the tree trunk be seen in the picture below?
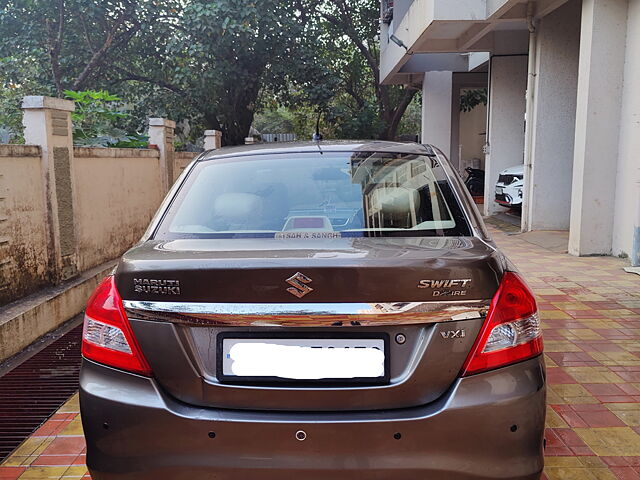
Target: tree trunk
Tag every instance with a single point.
(237, 112)
(235, 131)
(390, 114)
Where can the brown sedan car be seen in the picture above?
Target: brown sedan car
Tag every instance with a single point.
(315, 311)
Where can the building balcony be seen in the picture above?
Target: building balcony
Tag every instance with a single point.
(425, 27)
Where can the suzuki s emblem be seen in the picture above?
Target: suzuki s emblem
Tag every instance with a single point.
(299, 286)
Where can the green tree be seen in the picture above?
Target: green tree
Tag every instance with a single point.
(80, 41)
(279, 120)
(343, 80)
(222, 55)
(50, 46)
(358, 21)
(11, 95)
(208, 64)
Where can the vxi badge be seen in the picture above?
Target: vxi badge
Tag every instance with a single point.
(454, 287)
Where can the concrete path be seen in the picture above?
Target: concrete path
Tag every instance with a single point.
(591, 317)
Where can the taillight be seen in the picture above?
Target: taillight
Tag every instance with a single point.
(107, 336)
(511, 332)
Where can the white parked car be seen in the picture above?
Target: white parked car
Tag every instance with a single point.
(509, 187)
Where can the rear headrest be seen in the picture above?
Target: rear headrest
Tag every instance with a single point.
(397, 200)
(236, 206)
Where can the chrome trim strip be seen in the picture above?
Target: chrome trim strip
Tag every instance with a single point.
(306, 314)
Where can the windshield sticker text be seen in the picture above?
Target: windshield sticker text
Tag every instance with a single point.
(307, 235)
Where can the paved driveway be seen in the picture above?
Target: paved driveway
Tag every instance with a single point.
(591, 317)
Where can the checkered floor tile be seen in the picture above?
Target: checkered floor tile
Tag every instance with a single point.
(590, 310)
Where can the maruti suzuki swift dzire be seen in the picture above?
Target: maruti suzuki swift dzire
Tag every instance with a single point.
(314, 311)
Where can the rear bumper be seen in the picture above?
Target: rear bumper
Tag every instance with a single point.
(502, 202)
(488, 426)
(509, 197)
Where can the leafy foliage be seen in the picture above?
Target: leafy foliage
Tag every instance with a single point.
(79, 40)
(471, 98)
(18, 78)
(346, 48)
(205, 64)
(411, 123)
(274, 121)
(96, 118)
(52, 45)
(229, 53)
(11, 114)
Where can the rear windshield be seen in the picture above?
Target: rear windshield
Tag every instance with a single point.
(313, 195)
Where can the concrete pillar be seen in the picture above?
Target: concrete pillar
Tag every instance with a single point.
(505, 124)
(212, 139)
(548, 203)
(626, 225)
(47, 123)
(436, 110)
(600, 77)
(161, 135)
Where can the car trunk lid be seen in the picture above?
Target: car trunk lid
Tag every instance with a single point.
(431, 293)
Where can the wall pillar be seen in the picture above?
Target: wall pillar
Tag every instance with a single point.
(505, 124)
(161, 135)
(600, 77)
(436, 110)
(548, 201)
(47, 123)
(212, 139)
(626, 226)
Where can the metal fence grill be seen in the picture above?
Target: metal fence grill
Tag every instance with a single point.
(278, 137)
(34, 390)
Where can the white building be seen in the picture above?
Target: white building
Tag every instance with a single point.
(564, 99)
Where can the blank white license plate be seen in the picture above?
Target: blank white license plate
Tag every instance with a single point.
(302, 358)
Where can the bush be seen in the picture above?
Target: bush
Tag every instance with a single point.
(96, 121)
